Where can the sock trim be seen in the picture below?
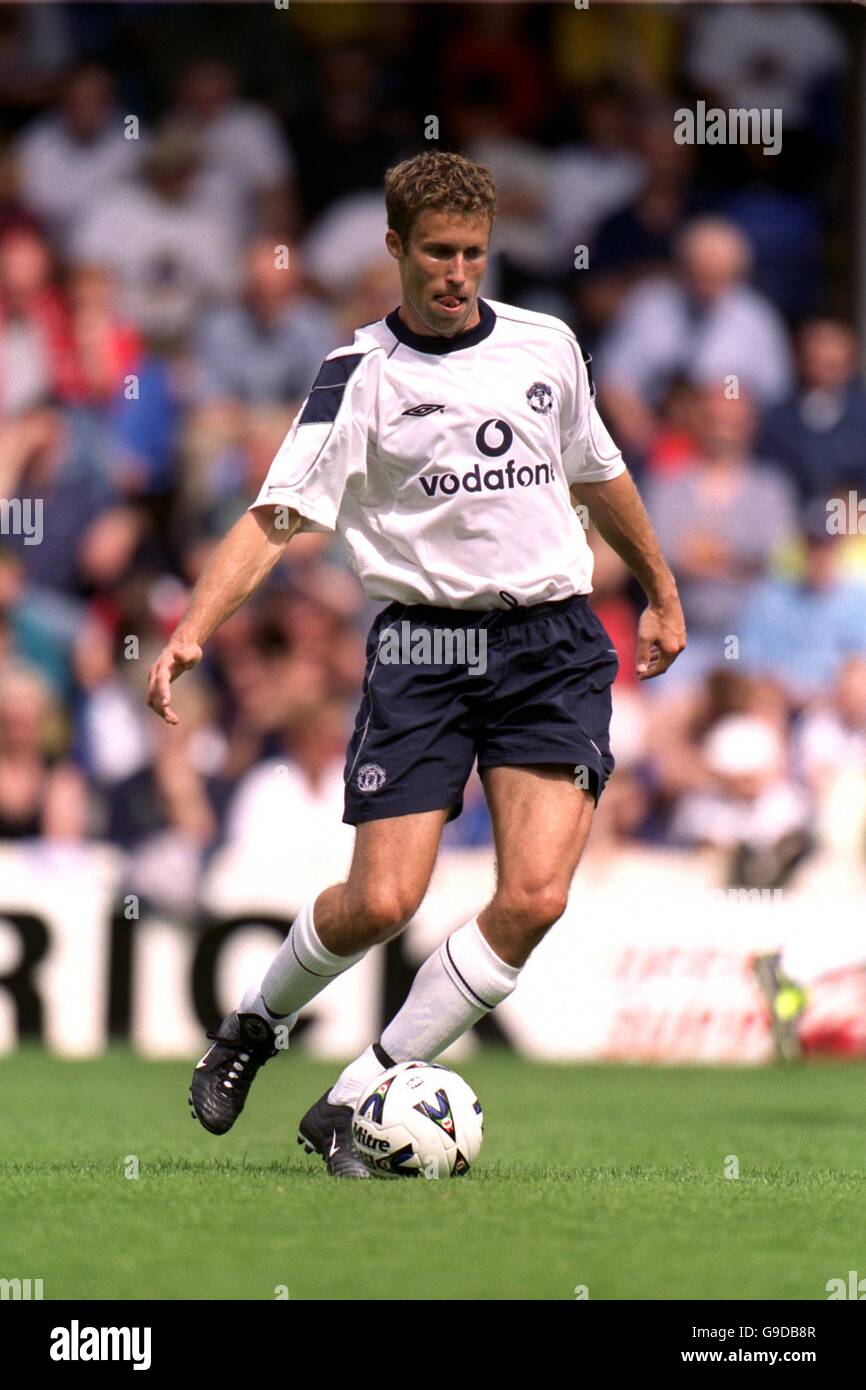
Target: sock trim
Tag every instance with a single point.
(464, 982)
(317, 973)
(382, 1056)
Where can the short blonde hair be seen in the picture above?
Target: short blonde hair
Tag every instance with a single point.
(439, 180)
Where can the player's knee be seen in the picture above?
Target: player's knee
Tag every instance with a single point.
(384, 912)
(533, 907)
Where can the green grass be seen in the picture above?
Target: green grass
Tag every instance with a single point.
(605, 1176)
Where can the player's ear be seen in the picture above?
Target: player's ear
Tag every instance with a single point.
(394, 244)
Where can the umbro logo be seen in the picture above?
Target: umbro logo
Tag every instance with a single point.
(423, 409)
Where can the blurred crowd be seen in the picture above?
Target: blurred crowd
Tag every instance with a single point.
(191, 217)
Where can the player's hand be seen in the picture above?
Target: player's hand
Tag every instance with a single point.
(175, 658)
(661, 636)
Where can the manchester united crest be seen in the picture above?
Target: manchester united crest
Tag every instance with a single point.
(540, 397)
(370, 777)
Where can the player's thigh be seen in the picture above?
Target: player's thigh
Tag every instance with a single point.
(392, 863)
(541, 821)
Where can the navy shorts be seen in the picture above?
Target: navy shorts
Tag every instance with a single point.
(444, 686)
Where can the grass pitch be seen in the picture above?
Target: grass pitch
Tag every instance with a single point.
(605, 1176)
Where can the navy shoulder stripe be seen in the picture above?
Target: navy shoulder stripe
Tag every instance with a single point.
(327, 391)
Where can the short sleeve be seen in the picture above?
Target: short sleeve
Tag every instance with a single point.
(589, 455)
(325, 451)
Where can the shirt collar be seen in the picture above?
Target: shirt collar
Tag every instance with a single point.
(421, 342)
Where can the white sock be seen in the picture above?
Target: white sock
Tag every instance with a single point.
(358, 1075)
(299, 971)
(463, 980)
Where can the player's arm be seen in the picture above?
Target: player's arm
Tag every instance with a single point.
(618, 513)
(304, 487)
(240, 562)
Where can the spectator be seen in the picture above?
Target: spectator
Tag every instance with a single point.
(106, 349)
(268, 685)
(246, 177)
(116, 743)
(342, 143)
(719, 523)
(598, 176)
(639, 237)
(344, 241)
(163, 812)
(721, 762)
(764, 56)
(785, 227)
(219, 475)
(14, 210)
(269, 346)
(35, 45)
(74, 156)
(677, 729)
(58, 463)
(831, 738)
(802, 630)
(704, 323)
(493, 56)
(372, 295)
(292, 804)
(675, 447)
(831, 751)
(171, 256)
(41, 792)
(818, 434)
(37, 353)
(751, 804)
(37, 626)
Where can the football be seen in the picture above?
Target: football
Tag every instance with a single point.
(419, 1120)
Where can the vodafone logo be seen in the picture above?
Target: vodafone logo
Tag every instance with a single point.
(494, 450)
(493, 439)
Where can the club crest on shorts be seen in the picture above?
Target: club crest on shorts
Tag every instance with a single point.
(540, 397)
(370, 777)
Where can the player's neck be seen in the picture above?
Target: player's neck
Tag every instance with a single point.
(417, 325)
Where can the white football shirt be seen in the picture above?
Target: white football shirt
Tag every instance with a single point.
(445, 463)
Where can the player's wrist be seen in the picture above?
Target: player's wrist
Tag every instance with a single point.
(661, 592)
(187, 635)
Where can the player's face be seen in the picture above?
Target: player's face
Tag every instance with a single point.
(441, 271)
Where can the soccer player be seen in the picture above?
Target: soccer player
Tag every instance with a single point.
(449, 446)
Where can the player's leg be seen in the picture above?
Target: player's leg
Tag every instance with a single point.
(391, 866)
(543, 717)
(406, 759)
(390, 875)
(541, 821)
(540, 825)
(390, 870)
(541, 733)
